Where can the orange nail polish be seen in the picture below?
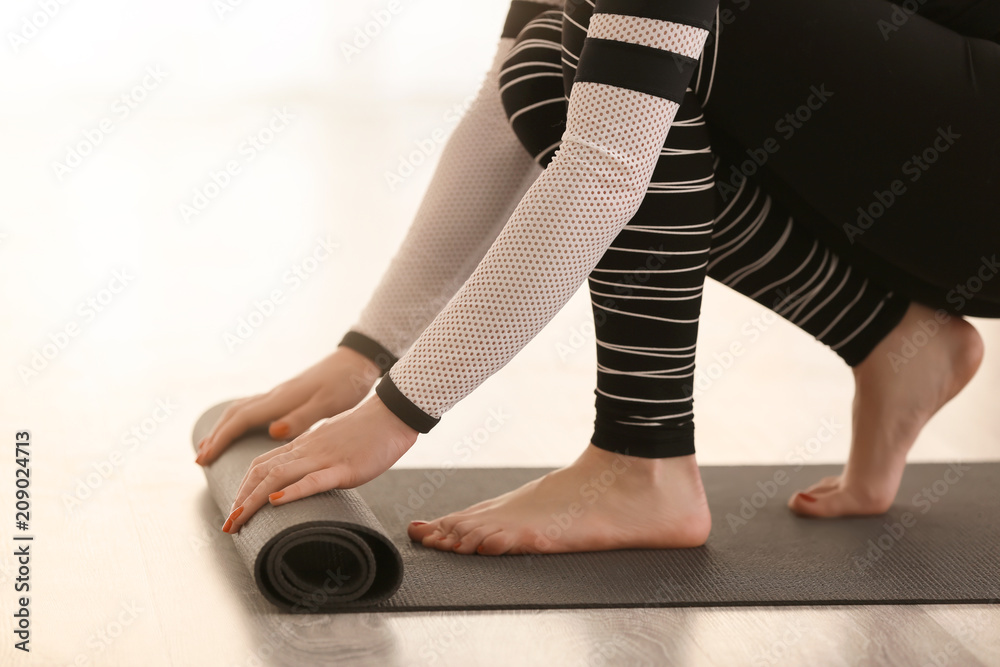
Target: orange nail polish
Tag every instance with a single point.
(443, 537)
(806, 496)
(419, 523)
(232, 517)
(278, 430)
(457, 545)
(479, 549)
(276, 495)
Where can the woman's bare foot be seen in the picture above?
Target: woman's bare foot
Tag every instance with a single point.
(601, 501)
(898, 388)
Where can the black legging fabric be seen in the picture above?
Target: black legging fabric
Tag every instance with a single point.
(899, 168)
(841, 292)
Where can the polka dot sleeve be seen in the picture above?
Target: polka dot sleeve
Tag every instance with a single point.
(482, 174)
(634, 68)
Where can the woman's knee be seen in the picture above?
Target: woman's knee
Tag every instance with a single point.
(531, 86)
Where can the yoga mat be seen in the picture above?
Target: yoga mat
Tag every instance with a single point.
(321, 553)
(939, 543)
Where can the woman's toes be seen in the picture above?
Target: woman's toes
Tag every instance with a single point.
(431, 539)
(826, 483)
(446, 542)
(806, 504)
(457, 536)
(418, 530)
(472, 539)
(495, 544)
(827, 503)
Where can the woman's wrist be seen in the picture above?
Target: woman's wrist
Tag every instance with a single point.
(369, 348)
(367, 370)
(373, 407)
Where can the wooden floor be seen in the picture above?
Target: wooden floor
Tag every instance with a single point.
(137, 320)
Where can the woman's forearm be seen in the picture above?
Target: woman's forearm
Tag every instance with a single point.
(622, 104)
(481, 176)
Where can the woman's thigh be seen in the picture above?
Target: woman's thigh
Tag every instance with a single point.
(877, 127)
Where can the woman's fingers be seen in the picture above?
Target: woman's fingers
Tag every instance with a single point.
(282, 478)
(223, 425)
(278, 476)
(298, 421)
(345, 452)
(315, 482)
(240, 418)
(259, 468)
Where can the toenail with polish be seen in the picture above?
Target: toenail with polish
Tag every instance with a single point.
(418, 523)
(457, 545)
(276, 495)
(806, 496)
(443, 537)
(479, 549)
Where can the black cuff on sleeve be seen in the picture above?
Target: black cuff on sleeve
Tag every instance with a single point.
(370, 348)
(695, 13)
(636, 67)
(403, 407)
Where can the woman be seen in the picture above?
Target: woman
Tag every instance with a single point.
(633, 69)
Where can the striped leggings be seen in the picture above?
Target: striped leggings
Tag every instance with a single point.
(646, 291)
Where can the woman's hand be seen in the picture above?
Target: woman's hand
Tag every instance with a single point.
(335, 384)
(348, 450)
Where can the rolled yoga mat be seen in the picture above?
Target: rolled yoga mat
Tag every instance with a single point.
(939, 543)
(321, 553)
